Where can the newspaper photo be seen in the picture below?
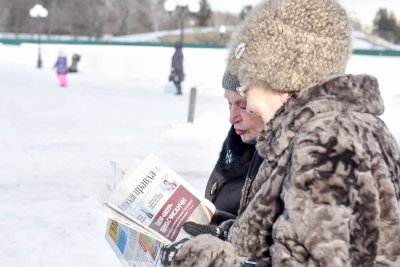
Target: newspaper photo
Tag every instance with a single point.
(147, 207)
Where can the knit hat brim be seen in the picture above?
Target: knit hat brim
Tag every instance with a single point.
(229, 81)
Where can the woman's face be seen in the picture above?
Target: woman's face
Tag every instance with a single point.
(264, 102)
(246, 124)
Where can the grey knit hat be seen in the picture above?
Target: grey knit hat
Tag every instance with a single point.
(288, 45)
(229, 81)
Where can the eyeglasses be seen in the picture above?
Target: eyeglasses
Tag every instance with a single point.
(242, 90)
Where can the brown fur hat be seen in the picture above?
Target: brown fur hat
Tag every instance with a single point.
(288, 45)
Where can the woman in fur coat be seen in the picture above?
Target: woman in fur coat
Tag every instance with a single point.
(328, 190)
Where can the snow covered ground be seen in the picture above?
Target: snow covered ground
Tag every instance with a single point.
(55, 143)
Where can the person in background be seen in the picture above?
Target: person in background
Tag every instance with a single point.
(328, 190)
(61, 69)
(177, 75)
(74, 65)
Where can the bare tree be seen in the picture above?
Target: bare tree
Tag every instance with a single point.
(5, 7)
(16, 18)
(94, 19)
(62, 18)
(203, 16)
(219, 18)
(125, 11)
(157, 14)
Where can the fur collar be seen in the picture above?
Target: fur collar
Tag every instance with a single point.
(234, 157)
(347, 93)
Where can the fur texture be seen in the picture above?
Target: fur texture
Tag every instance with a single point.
(328, 191)
(287, 45)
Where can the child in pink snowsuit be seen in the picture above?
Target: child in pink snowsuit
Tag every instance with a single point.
(62, 69)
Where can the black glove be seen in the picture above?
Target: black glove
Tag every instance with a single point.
(168, 252)
(195, 229)
(221, 216)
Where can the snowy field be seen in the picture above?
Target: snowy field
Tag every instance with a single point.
(56, 143)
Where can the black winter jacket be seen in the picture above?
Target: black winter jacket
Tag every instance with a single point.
(224, 187)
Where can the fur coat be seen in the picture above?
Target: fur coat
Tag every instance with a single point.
(327, 192)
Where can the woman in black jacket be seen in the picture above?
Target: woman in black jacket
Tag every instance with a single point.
(226, 181)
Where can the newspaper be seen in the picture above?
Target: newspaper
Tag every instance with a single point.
(147, 207)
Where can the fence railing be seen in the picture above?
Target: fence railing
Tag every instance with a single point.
(13, 41)
(9, 41)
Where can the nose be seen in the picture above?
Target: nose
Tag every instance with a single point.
(234, 115)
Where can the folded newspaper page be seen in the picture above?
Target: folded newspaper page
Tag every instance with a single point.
(147, 208)
(132, 248)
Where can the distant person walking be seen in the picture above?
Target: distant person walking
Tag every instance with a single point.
(177, 75)
(62, 69)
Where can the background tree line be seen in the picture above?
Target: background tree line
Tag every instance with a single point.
(386, 26)
(97, 18)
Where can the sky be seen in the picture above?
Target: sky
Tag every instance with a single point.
(364, 10)
(56, 143)
(234, 6)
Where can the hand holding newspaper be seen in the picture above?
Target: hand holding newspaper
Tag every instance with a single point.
(147, 208)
